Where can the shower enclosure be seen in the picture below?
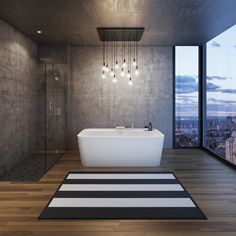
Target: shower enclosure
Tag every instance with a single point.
(41, 119)
(55, 75)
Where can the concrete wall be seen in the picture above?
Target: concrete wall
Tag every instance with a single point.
(19, 93)
(91, 101)
(94, 102)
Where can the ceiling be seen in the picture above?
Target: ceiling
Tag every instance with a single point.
(166, 22)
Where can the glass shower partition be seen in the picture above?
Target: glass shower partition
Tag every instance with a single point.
(55, 117)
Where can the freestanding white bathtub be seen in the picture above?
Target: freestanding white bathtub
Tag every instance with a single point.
(120, 147)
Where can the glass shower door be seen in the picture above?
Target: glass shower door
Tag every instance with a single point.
(55, 112)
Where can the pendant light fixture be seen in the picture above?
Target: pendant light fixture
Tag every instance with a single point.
(122, 67)
(136, 51)
(107, 67)
(114, 80)
(126, 62)
(116, 57)
(134, 46)
(130, 66)
(103, 56)
(112, 55)
(103, 59)
(130, 82)
(103, 75)
(129, 59)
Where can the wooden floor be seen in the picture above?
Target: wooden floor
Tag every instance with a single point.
(211, 184)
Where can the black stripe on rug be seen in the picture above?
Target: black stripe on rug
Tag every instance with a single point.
(121, 213)
(120, 194)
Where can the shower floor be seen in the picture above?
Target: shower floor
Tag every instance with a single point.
(31, 169)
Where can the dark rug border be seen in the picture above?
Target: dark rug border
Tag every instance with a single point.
(121, 172)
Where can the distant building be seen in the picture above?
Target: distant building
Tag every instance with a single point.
(234, 119)
(233, 134)
(230, 148)
(228, 122)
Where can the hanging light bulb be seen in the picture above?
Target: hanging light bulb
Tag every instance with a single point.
(124, 64)
(117, 65)
(122, 73)
(136, 71)
(112, 72)
(130, 81)
(103, 55)
(107, 68)
(103, 75)
(114, 79)
(134, 62)
(128, 75)
(104, 67)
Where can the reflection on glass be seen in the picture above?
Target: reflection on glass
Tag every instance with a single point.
(186, 96)
(220, 134)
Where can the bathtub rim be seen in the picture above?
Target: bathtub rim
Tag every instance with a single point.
(155, 133)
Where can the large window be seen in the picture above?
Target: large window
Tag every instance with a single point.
(220, 133)
(186, 96)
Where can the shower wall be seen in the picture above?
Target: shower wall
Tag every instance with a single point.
(33, 102)
(19, 96)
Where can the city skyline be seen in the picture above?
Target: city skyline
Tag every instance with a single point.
(220, 134)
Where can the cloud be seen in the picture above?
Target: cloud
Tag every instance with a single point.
(221, 107)
(227, 90)
(212, 87)
(216, 88)
(215, 44)
(186, 88)
(185, 79)
(186, 84)
(221, 113)
(220, 101)
(217, 78)
(184, 100)
(186, 110)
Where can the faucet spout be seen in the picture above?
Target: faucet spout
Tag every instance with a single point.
(131, 126)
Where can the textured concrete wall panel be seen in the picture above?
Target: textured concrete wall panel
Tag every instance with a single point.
(94, 102)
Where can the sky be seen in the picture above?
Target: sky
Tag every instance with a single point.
(221, 77)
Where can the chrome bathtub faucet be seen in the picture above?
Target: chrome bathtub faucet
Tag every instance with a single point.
(131, 126)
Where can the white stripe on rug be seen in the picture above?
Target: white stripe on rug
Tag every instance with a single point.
(121, 187)
(120, 176)
(122, 202)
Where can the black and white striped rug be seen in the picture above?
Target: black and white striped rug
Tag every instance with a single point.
(119, 195)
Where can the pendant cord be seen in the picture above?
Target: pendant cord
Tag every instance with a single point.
(137, 46)
(122, 45)
(103, 48)
(130, 54)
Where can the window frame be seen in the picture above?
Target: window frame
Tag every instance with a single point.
(200, 97)
(201, 106)
(204, 111)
